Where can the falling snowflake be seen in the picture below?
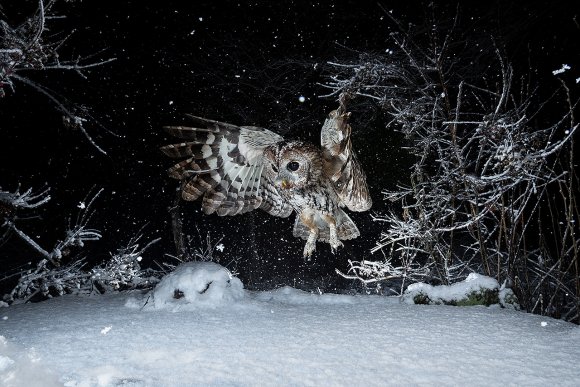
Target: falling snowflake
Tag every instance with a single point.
(82, 205)
(220, 247)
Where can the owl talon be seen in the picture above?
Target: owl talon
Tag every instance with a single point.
(335, 245)
(309, 248)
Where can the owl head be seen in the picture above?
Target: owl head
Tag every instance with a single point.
(293, 165)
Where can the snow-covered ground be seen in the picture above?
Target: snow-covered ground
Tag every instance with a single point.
(215, 333)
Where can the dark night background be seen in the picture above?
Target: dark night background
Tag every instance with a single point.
(244, 63)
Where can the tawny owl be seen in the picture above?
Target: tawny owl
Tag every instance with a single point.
(240, 168)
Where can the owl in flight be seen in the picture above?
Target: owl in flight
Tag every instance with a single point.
(237, 169)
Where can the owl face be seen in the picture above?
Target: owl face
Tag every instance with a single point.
(293, 165)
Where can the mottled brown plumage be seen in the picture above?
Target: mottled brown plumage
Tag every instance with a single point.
(238, 169)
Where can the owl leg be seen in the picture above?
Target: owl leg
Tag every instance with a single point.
(335, 243)
(307, 217)
(310, 246)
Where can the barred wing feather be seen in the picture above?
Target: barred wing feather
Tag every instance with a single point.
(223, 163)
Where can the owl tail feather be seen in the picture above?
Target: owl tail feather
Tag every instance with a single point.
(345, 228)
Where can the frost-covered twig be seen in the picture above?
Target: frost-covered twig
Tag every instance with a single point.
(201, 249)
(26, 200)
(27, 48)
(123, 270)
(76, 235)
(483, 169)
(46, 281)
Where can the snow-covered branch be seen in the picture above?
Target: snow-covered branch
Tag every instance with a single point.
(484, 169)
(46, 281)
(75, 237)
(123, 270)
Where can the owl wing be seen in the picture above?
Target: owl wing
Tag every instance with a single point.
(224, 164)
(341, 164)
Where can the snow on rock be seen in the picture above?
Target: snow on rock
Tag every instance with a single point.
(507, 299)
(477, 289)
(20, 368)
(199, 284)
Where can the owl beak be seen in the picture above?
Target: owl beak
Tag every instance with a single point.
(283, 183)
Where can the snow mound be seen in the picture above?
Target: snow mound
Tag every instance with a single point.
(198, 283)
(19, 368)
(292, 296)
(475, 290)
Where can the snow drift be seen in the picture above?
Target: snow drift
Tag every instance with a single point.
(222, 334)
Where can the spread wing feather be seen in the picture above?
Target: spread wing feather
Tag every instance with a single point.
(223, 163)
(341, 164)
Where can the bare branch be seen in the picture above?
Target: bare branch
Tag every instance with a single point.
(24, 49)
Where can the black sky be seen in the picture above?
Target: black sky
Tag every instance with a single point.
(242, 62)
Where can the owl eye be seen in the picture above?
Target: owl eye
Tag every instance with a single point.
(293, 166)
(274, 168)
